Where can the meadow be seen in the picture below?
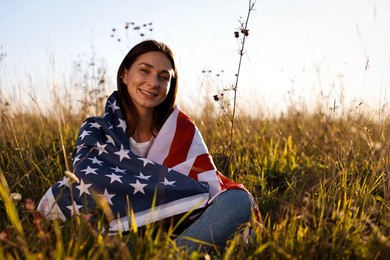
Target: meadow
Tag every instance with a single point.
(321, 181)
(320, 176)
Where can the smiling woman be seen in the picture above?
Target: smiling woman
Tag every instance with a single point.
(147, 99)
(147, 83)
(146, 158)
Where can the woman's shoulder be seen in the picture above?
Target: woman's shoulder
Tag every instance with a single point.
(182, 116)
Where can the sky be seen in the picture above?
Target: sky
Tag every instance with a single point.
(332, 52)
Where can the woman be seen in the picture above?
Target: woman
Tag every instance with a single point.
(147, 160)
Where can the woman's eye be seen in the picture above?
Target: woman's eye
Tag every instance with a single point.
(144, 70)
(164, 78)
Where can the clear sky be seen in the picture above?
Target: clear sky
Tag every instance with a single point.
(302, 50)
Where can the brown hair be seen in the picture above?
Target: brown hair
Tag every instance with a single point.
(162, 111)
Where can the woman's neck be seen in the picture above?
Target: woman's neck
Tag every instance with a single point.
(143, 131)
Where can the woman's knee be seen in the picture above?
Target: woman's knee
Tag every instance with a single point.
(238, 200)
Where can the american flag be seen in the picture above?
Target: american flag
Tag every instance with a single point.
(177, 175)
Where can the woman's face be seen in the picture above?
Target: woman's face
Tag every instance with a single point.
(148, 80)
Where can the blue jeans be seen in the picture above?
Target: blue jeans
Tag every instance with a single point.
(219, 221)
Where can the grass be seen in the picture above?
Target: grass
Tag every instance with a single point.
(321, 183)
(320, 178)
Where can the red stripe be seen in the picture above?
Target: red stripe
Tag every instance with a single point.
(202, 164)
(229, 184)
(182, 140)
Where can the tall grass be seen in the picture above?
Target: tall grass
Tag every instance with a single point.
(320, 178)
(321, 183)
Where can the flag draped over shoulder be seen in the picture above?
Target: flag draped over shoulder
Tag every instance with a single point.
(177, 175)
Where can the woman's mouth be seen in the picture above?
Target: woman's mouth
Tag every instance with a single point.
(147, 93)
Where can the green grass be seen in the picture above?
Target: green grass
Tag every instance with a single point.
(321, 183)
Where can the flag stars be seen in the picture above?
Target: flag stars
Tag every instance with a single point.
(101, 148)
(122, 124)
(83, 188)
(123, 153)
(167, 183)
(113, 106)
(117, 169)
(110, 140)
(143, 177)
(74, 208)
(63, 182)
(84, 134)
(96, 161)
(95, 124)
(138, 187)
(89, 170)
(114, 177)
(76, 159)
(107, 196)
(79, 147)
(146, 161)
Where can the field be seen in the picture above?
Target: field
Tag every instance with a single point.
(321, 182)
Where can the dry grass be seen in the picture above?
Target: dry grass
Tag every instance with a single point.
(321, 183)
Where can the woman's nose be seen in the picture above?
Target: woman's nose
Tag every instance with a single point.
(153, 80)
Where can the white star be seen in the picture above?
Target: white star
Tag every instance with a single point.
(113, 106)
(143, 177)
(83, 124)
(110, 140)
(64, 182)
(74, 208)
(166, 182)
(146, 161)
(107, 196)
(89, 170)
(76, 159)
(101, 147)
(110, 126)
(105, 114)
(83, 188)
(79, 147)
(123, 153)
(95, 160)
(116, 169)
(114, 177)
(122, 124)
(95, 124)
(84, 134)
(138, 187)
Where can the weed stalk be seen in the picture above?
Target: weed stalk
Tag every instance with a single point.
(243, 29)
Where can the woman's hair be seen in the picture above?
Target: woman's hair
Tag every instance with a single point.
(163, 110)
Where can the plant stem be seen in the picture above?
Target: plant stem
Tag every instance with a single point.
(244, 30)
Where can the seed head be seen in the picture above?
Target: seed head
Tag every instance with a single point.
(72, 177)
(16, 196)
(245, 32)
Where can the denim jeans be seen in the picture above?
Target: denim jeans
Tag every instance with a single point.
(219, 221)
